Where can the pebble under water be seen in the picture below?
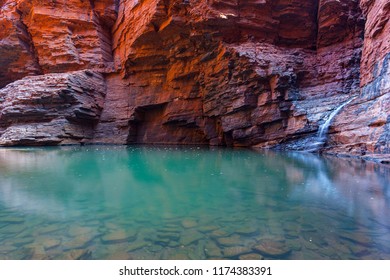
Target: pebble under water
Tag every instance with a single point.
(102, 202)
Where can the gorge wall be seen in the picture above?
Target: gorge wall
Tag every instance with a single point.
(256, 73)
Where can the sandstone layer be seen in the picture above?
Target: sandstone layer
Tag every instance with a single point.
(238, 73)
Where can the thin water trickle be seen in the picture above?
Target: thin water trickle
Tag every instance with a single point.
(319, 140)
(190, 203)
(322, 132)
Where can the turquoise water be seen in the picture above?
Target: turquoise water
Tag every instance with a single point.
(103, 202)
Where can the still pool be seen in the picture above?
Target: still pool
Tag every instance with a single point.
(102, 202)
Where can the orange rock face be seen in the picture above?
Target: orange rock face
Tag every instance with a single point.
(17, 54)
(69, 35)
(40, 37)
(240, 73)
(233, 73)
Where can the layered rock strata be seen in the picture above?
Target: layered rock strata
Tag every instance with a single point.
(51, 109)
(40, 37)
(237, 73)
(233, 73)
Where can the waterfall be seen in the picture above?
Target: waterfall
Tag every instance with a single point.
(320, 138)
(323, 130)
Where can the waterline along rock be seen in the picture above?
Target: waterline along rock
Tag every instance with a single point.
(262, 74)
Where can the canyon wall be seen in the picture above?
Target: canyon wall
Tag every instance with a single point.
(53, 56)
(364, 127)
(252, 73)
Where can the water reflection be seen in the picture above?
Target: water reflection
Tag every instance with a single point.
(319, 207)
(361, 188)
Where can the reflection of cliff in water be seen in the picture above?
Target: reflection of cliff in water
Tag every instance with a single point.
(361, 188)
(158, 174)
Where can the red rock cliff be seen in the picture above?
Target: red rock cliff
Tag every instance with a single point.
(243, 73)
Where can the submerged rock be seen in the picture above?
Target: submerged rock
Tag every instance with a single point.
(175, 254)
(168, 235)
(247, 230)
(119, 236)
(171, 229)
(79, 254)
(11, 220)
(75, 230)
(50, 228)
(39, 252)
(189, 223)
(219, 233)
(235, 251)
(272, 248)
(229, 241)
(207, 228)
(79, 242)
(138, 244)
(13, 228)
(49, 242)
(212, 250)
(20, 241)
(190, 236)
(357, 238)
(252, 256)
(119, 256)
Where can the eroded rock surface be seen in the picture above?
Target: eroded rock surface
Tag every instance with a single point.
(39, 37)
(51, 109)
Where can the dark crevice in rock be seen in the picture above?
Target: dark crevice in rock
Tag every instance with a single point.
(28, 40)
